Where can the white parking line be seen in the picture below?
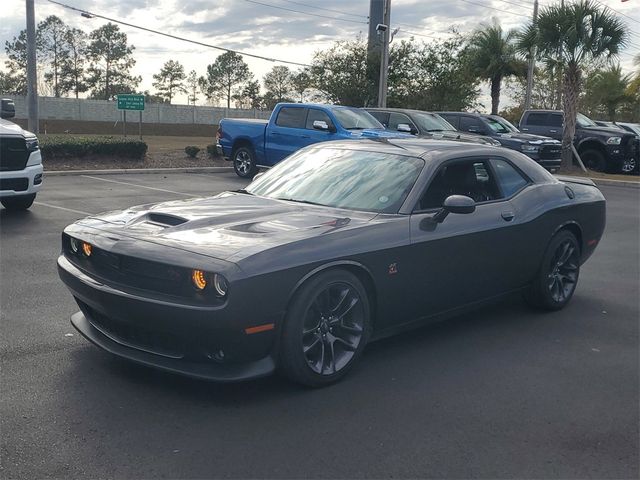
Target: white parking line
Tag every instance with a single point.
(62, 208)
(141, 186)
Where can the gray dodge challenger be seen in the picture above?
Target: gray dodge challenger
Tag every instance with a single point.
(340, 244)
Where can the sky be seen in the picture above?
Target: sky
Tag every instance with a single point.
(272, 28)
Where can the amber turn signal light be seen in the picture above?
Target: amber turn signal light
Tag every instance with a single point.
(86, 248)
(199, 279)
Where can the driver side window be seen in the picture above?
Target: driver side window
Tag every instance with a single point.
(471, 178)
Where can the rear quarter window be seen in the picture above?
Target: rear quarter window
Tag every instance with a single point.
(510, 180)
(536, 119)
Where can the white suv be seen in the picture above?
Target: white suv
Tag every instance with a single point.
(20, 162)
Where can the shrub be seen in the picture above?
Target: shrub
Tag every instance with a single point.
(71, 146)
(192, 151)
(211, 150)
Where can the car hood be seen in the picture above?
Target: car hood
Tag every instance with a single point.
(10, 128)
(608, 132)
(526, 138)
(229, 226)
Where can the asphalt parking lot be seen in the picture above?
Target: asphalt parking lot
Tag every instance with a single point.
(501, 393)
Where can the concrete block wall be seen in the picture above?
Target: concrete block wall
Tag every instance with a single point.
(51, 108)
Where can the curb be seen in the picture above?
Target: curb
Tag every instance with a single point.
(616, 183)
(110, 171)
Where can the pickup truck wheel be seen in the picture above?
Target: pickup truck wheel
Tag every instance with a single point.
(629, 165)
(21, 202)
(594, 160)
(244, 162)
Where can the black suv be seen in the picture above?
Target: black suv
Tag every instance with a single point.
(544, 150)
(601, 148)
(424, 125)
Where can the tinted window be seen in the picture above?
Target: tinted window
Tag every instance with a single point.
(355, 119)
(467, 123)
(382, 117)
(293, 117)
(555, 120)
(452, 119)
(396, 119)
(470, 178)
(510, 180)
(315, 114)
(430, 122)
(537, 119)
(352, 179)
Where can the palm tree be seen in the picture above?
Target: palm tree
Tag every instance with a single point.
(492, 56)
(580, 34)
(608, 89)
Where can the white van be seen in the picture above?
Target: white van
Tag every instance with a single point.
(20, 162)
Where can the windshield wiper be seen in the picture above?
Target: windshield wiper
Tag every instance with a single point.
(300, 201)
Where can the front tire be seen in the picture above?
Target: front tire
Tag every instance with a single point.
(244, 162)
(17, 203)
(557, 277)
(326, 329)
(594, 160)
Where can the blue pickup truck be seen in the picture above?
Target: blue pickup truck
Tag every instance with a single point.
(251, 144)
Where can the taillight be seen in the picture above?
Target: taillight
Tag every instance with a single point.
(219, 133)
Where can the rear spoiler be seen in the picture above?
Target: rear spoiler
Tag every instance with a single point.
(580, 180)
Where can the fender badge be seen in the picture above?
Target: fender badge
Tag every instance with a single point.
(393, 269)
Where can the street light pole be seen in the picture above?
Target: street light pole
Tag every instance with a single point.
(532, 62)
(384, 54)
(32, 76)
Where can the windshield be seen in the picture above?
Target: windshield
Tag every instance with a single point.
(355, 119)
(430, 122)
(584, 121)
(351, 179)
(500, 126)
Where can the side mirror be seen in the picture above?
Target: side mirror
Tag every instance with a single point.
(454, 204)
(320, 125)
(7, 108)
(404, 127)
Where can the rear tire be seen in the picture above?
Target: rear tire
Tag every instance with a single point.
(244, 162)
(326, 329)
(594, 160)
(17, 203)
(557, 277)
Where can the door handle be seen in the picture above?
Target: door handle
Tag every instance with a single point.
(275, 133)
(508, 215)
(553, 131)
(524, 129)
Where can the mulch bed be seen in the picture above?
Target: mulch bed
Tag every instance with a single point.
(156, 160)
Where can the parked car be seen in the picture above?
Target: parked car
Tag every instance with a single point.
(20, 162)
(424, 125)
(544, 150)
(251, 144)
(600, 148)
(630, 127)
(342, 243)
(604, 123)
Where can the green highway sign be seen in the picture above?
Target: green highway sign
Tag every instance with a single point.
(130, 102)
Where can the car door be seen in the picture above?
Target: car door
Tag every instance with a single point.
(472, 124)
(396, 119)
(312, 135)
(468, 257)
(556, 125)
(285, 136)
(539, 123)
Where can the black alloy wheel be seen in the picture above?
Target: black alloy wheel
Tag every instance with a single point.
(326, 329)
(21, 202)
(629, 165)
(558, 275)
(244, 162)
(594, 160)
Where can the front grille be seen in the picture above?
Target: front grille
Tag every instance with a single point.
(15, 184)
(550, 152)
(13, 154)
(135, 336)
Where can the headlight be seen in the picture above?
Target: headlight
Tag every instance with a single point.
(75, 244)
(614, 140)
(199, 279)
(220, 284)
(529, 148)
(87, 248)
(32, 143)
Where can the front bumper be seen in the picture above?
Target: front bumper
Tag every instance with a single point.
(204, 342)
(21, 182)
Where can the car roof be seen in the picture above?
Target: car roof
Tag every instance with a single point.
(398, 110)
(415, 147)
